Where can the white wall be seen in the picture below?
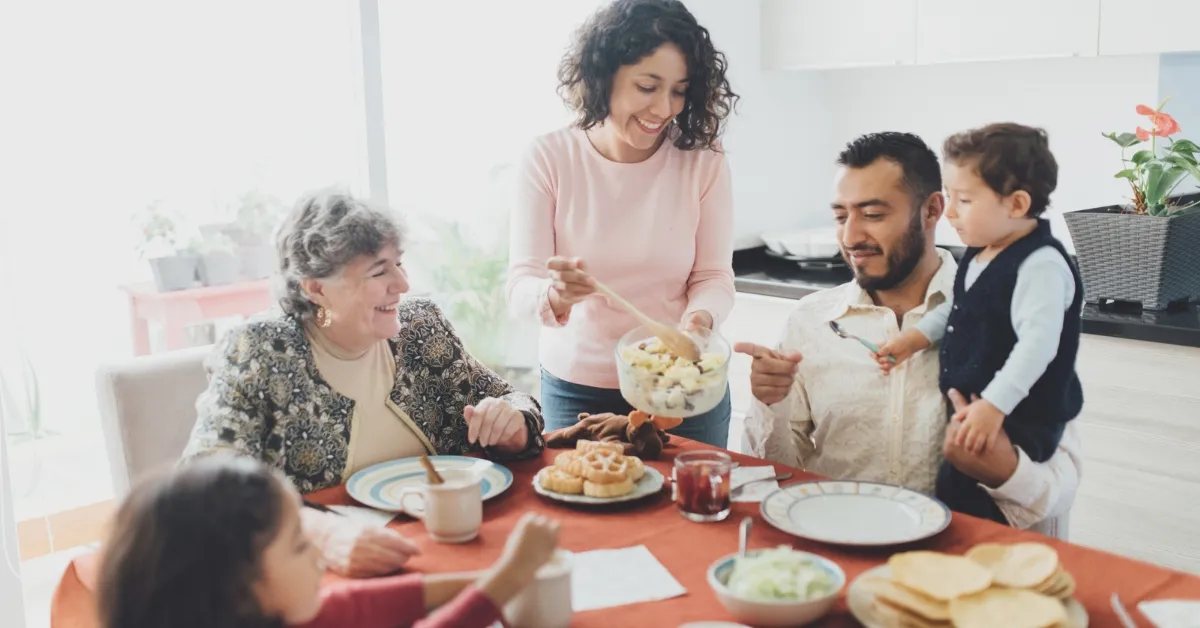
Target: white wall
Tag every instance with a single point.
(1179, 79)
(777, 140)
(1075, 100)
(791, 125)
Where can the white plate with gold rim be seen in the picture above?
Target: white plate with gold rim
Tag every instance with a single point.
(864, 514)
(859, 600)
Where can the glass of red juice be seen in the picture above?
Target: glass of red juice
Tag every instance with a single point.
(702, 485)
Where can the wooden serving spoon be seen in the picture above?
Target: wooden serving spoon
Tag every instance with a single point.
(678, 342)
(430, 472)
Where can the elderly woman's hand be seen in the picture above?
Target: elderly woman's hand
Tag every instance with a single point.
(495, 423)
(356, 549)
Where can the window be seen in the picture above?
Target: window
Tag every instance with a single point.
(466, 87)
(190, 106)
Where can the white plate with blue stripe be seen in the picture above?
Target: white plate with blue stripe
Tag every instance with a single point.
(379, 486)
(865, 514)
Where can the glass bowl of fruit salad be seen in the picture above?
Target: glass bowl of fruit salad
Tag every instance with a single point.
(660, 383)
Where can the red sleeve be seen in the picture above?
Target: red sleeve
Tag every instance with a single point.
(374, 603)
(469, 609)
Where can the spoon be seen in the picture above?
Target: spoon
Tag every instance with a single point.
(434, 476)
(837, 329)
(737, 490)
(678, 342)
(744, 535)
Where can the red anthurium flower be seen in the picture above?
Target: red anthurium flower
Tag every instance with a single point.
(1163, 124)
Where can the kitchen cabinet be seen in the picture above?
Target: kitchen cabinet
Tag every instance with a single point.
(985, 30)
(1148, 26)
(1139, 494)
(820, 34)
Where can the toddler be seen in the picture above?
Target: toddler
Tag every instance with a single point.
(1010, 333)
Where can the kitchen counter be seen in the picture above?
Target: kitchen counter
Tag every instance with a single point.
(757, 272)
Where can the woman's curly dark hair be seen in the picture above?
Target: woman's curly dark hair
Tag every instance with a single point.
(625, 32)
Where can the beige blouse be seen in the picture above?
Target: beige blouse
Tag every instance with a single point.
(379, 430)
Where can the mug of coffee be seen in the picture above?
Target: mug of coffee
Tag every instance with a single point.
(546, 602)
(452, 511)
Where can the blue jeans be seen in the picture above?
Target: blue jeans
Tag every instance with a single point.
(563, 402)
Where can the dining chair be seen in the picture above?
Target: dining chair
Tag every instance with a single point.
(147, 410)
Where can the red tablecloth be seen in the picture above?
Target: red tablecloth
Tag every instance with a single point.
(687, 549)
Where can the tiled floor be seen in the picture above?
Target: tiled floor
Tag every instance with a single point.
(62, 497)
(64, 530)
(59, 473)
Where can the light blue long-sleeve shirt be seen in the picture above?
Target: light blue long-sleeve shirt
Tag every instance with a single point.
(1044, 291)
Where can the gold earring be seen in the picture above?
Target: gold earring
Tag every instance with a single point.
(324, 318)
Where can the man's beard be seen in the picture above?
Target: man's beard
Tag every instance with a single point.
(901, 261)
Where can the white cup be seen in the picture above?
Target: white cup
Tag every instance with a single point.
(452, 511)
(546, 602)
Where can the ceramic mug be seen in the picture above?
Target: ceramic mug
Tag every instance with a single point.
(452, 511)
(546, 602)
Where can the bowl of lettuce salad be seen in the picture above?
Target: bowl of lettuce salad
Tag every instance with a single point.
(776, 587)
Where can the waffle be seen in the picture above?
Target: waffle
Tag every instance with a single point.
(593, 468)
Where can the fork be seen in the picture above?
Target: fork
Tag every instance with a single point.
(1122, 614)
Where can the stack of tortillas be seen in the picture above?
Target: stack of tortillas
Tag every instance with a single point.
(1032, 566)
(993, 586)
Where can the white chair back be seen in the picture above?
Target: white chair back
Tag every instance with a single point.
(147, 410)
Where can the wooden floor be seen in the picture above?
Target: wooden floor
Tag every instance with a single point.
(64, 530)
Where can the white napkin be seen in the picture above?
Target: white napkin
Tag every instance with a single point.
(1172, 613)
(754, 492)
(369, 516)
(616, 577)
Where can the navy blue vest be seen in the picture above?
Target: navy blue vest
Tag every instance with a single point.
(979, 338)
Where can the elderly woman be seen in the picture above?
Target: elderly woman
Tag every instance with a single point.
(350, 374)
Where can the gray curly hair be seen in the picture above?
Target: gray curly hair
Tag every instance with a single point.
(325, 231)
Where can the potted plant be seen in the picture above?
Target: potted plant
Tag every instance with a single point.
(1145, 251)
(173, 266)
(258, 214)
(21, 398)
(467, 277)
(218, 264)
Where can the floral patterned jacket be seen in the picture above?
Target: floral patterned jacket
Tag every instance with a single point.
(266, 399)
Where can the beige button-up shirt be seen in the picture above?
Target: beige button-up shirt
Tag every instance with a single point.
(845, 419)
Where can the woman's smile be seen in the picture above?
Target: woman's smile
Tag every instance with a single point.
(648, 127)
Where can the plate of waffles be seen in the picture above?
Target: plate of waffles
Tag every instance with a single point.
(1017, 585)
(597, 472)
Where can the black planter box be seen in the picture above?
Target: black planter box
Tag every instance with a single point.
(1152, 260)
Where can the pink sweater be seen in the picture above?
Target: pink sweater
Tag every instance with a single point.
(399, 601)
(658, 232)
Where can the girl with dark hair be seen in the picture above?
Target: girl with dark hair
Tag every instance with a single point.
(639, 188)
(218, 544)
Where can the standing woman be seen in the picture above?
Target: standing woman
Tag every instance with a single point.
(636, 193)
